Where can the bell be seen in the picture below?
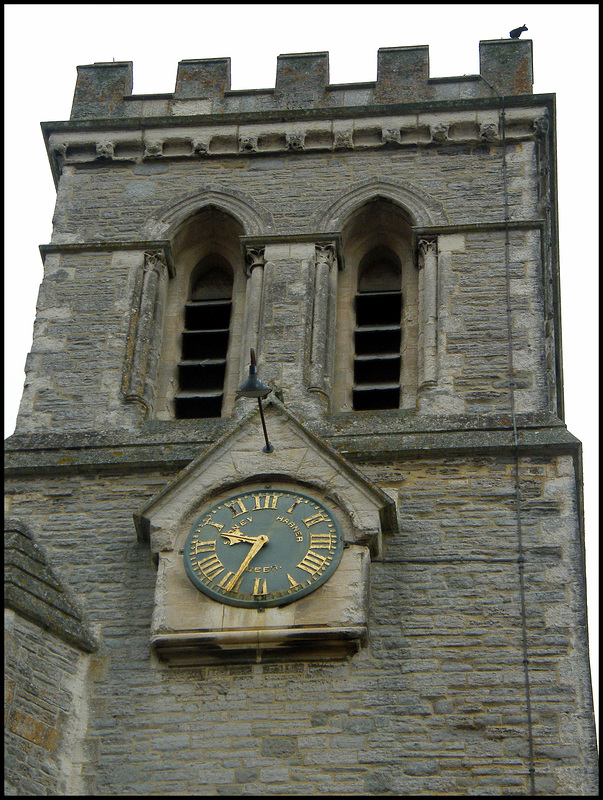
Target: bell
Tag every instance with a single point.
(253, 386)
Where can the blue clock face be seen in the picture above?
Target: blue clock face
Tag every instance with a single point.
(263, 548)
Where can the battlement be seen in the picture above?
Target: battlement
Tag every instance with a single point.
(104, 90)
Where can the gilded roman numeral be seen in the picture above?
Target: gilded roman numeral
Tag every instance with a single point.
(312, 562)
(259, 586)
(209, 521)
(296, 502)
(292, 582)
(201, 547)
(314, 520)
(210, 566)
(270, 499)
(225, 580)
(237, 507)
(320, 540)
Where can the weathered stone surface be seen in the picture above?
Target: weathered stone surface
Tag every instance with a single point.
(473, 676)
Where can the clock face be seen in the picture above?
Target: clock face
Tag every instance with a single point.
(263, 548)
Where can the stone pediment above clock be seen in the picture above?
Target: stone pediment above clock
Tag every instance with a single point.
(237, 459)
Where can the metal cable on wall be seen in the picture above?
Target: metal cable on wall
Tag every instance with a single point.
(520, 557)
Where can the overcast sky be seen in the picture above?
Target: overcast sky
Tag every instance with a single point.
(44, 43)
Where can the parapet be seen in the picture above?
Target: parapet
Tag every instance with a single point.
(104, 90)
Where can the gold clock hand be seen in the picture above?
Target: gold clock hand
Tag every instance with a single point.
(260, 541)
(235, 536)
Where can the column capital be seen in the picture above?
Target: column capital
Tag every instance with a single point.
(326, 253)
(154, 260)
(254, 257)
(426, 245)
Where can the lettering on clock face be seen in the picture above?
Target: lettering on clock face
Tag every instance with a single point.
(263, 548)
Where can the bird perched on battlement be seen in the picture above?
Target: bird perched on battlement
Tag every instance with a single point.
(516, 32)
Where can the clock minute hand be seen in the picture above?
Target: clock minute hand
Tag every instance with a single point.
(259, 542)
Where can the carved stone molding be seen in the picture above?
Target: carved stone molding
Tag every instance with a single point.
(254, 267)
(343, 140)
(248, 144)
(200, 145)
(254, 257)
(296, 140)
(426, 246)
(391, 135)
(58, 152)
(440, 131)
(75, 147)
(428, 282)
(105, 149)
(142, 344)
(321, 334)
(326, 254)
(488, 131)
(541, 124)
(153, 149)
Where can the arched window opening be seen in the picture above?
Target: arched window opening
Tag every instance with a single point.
(378, 332)
(199, 369)
(205, 338)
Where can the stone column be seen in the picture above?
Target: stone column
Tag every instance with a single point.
(428, 275)
(255, 263)
(145, 331)
(322, 310)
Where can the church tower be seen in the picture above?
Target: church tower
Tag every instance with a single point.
(365, 576)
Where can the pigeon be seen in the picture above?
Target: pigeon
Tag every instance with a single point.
(516, 33)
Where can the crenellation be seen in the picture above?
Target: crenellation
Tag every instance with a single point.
(402, 75)
(302, 82)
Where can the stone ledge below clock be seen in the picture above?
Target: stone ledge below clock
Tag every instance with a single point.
(195, 648)
(329, 623)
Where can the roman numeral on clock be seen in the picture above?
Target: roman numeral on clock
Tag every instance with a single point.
(312, 562)
(314, 520)
(259, 587)
(209, 521)
(320, 540)
(202, 547)
(237, 507)
(269, 500)
(292, 582)
(210, 566)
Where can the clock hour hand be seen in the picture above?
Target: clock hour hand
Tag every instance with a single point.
(235, 536)
(259, 542)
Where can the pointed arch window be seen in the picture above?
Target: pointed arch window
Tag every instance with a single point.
(205, 340)
(378, 331)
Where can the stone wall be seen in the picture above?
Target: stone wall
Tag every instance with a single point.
(75, 369)
(435, 703)
(44, 708)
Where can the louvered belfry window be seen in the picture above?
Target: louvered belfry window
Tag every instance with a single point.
(378, 332)
(202, 368)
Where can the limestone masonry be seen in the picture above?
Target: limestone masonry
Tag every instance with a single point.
(389, 251)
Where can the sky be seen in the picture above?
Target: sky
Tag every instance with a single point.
(44, 44)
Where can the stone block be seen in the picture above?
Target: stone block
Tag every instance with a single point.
(100, 90)
(507, 65)
(302, 77)
(402, 74)
(202, 79)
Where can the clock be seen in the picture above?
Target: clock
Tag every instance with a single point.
(263, 548)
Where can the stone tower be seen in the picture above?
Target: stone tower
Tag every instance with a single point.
(388, 599)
